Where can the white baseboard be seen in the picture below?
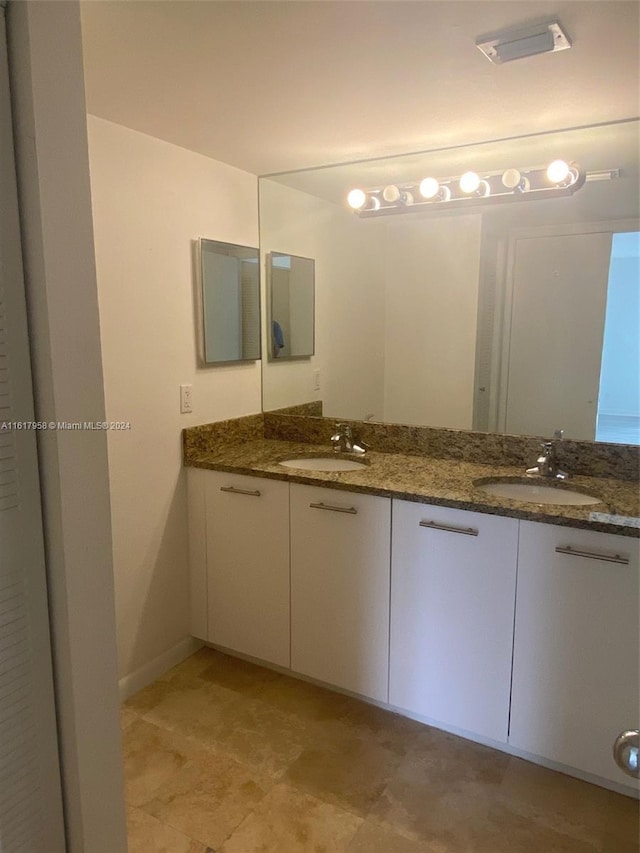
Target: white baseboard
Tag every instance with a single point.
(130, 684)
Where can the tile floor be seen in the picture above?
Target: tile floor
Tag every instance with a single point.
(222, 756)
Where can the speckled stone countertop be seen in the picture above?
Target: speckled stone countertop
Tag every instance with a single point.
(430, 480)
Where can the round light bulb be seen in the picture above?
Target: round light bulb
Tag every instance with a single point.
(511, 178)
(357, 199)
(469, 182)
(429, 188)
(391, 193)
(558, 171)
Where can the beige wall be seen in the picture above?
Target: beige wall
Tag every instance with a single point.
(432, 272)
(151, 199)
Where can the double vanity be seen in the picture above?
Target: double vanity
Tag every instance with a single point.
(413, 581)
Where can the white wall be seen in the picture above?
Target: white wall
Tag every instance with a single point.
(349, 302)
(432, 272)
(151, 199)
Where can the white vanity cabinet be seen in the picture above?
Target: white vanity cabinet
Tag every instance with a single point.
(452, 607)
(239, 563)
(576, 657)
(340, 588)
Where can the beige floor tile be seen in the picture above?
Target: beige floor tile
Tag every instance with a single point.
(502, 831)
(222, 749)
(471, 820)
(621, 822)
(209, 797)
(193, 666)
(256, 734)
(307, 702)
(567, 805)
(151, 756)
(146, 699)
(236, 674)
(614, 844)
(441, 782)
(389, 729)
(289, 821)
(127, 716)
(376, 837)
(445, 758)
(346, 770)
(148, 835)
(194, 710)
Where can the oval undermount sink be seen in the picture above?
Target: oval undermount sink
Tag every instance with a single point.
(323, 463)
(537, 493)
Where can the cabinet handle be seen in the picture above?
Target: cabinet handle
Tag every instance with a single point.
(350, 509)
(253, 492)
(606, 558)
(434, 525)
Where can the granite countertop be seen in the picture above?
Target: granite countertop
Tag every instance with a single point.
(431, 480)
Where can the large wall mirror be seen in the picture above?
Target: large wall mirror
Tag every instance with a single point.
(229, 278)
(519, 317)
(291, 288)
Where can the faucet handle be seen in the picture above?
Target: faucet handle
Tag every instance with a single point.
(558, 433)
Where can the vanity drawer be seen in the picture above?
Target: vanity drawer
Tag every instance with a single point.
(453, 576)
(576, 654)
(340, 588)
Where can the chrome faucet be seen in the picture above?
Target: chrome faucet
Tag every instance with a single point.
(344, 442)
(548, 460)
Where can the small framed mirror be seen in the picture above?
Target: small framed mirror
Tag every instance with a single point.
(291, 281)
(230, 299)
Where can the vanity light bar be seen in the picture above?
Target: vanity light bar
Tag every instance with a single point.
(553, 181)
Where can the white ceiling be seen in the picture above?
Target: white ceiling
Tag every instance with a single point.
(276, 86)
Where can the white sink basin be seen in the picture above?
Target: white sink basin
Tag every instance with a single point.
(537, 493)
(321, 463)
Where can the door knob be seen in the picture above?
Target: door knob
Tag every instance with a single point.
(626, 752)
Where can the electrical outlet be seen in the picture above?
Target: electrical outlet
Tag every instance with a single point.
(316, 380)
(186, 399)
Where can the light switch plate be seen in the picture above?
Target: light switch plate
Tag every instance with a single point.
(186, 399)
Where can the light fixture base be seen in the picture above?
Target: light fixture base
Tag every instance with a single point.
(507, 45)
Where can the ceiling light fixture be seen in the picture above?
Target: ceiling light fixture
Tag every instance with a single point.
(560, 178)
(544, 37)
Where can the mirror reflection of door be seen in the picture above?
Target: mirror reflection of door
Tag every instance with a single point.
(222, 308)
(230, 302)
(561, 294)
(292, 297)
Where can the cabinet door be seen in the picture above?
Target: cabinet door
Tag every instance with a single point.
(247, 521)
(340, 588)
(575, 672)
(452, 605)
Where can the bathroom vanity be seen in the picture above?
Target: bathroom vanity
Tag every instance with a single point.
(510, 623)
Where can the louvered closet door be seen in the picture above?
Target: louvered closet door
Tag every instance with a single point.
(30, 797)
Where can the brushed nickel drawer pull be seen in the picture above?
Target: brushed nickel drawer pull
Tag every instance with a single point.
(434, 525)
(350, 509)
(606, 558)
(253, 492)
